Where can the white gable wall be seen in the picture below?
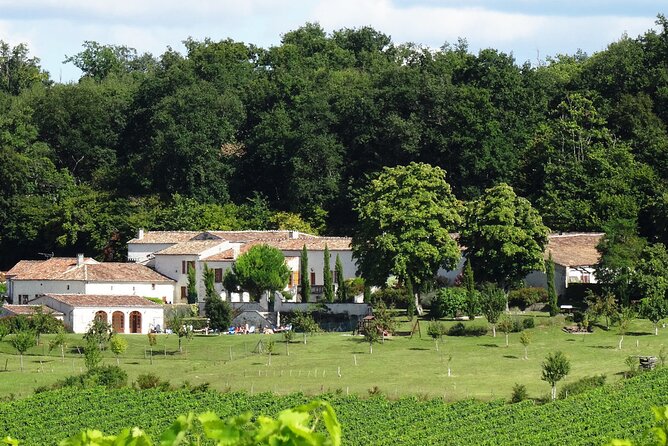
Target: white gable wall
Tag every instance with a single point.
(160, 290)
(78, 319)
(141, 252)
(33, 288)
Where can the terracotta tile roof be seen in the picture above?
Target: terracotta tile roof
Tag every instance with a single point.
(29, 310)
(44, 269)
(226, 255)
(114, 272)
(63, 268)
(249, 236)
(190, 248)
(574, 249)
(312, 244)
(96, 300)
(166, 236)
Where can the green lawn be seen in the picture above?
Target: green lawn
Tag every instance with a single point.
(482, 367)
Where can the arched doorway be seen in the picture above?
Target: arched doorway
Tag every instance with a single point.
(118, 321)
(102, 316)
(135, 322)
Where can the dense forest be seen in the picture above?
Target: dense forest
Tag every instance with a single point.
(233, 136)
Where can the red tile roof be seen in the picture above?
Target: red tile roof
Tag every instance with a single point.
(62, 268)
(227, 255)
(193, 247)
(314, 244)
(97, 300)
(574, 249)
(44, 269)
(28, 310)
(160, 237)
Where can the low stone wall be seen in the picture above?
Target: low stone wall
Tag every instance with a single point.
(335, 308)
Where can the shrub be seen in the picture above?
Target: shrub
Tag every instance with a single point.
(525, 297)
(391, 297)
(354, 287)
(581, 385)
(109, 376)
(436, 329)
(528, 322)
(448, 302)
(519, 393)
(151, 381)
(460, 329)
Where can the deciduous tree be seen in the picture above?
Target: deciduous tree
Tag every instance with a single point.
(406, 215)
(262, 268)
(555, 368)
(504, 237)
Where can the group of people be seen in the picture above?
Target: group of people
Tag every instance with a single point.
(245, 329)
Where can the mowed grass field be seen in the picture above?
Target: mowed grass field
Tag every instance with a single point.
(481, 367)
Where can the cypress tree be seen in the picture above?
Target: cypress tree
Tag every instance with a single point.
(469, 283)
(341, 286)
(304, 279)
(192, 285)
(551, 292)
(328, 285)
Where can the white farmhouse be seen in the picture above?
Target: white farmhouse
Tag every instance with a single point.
(126, 314)
(575, 257)
(172, 253)
(63, 275)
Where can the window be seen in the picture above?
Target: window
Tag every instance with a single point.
(219, 275)
(153, 286)
(23, 299)
(294, 278)
(186, 265)
(184, 293)
(183, 266)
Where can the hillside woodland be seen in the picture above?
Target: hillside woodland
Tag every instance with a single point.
(229, 135)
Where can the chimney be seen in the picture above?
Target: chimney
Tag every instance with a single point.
(140, 233)
(80, 259)
(294, 235)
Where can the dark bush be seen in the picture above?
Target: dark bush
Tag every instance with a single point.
(151, 381)
(391, 297)
(17, 324)
(460, 329)
(528, 322)
(109, 376)
(519, 393)
(448, 302)
(525, 297)
(581, 385)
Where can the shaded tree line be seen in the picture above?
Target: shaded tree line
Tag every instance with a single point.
(229, 135)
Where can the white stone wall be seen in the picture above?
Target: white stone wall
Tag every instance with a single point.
(316, 263)
(160, 290)
(33, 288)
(78, 319)
(140, 252)
(171, 266)
(335, 308)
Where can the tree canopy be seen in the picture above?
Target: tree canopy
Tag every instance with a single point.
(504, 236)
(262, 268)
(229, 135)
(406, 215)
